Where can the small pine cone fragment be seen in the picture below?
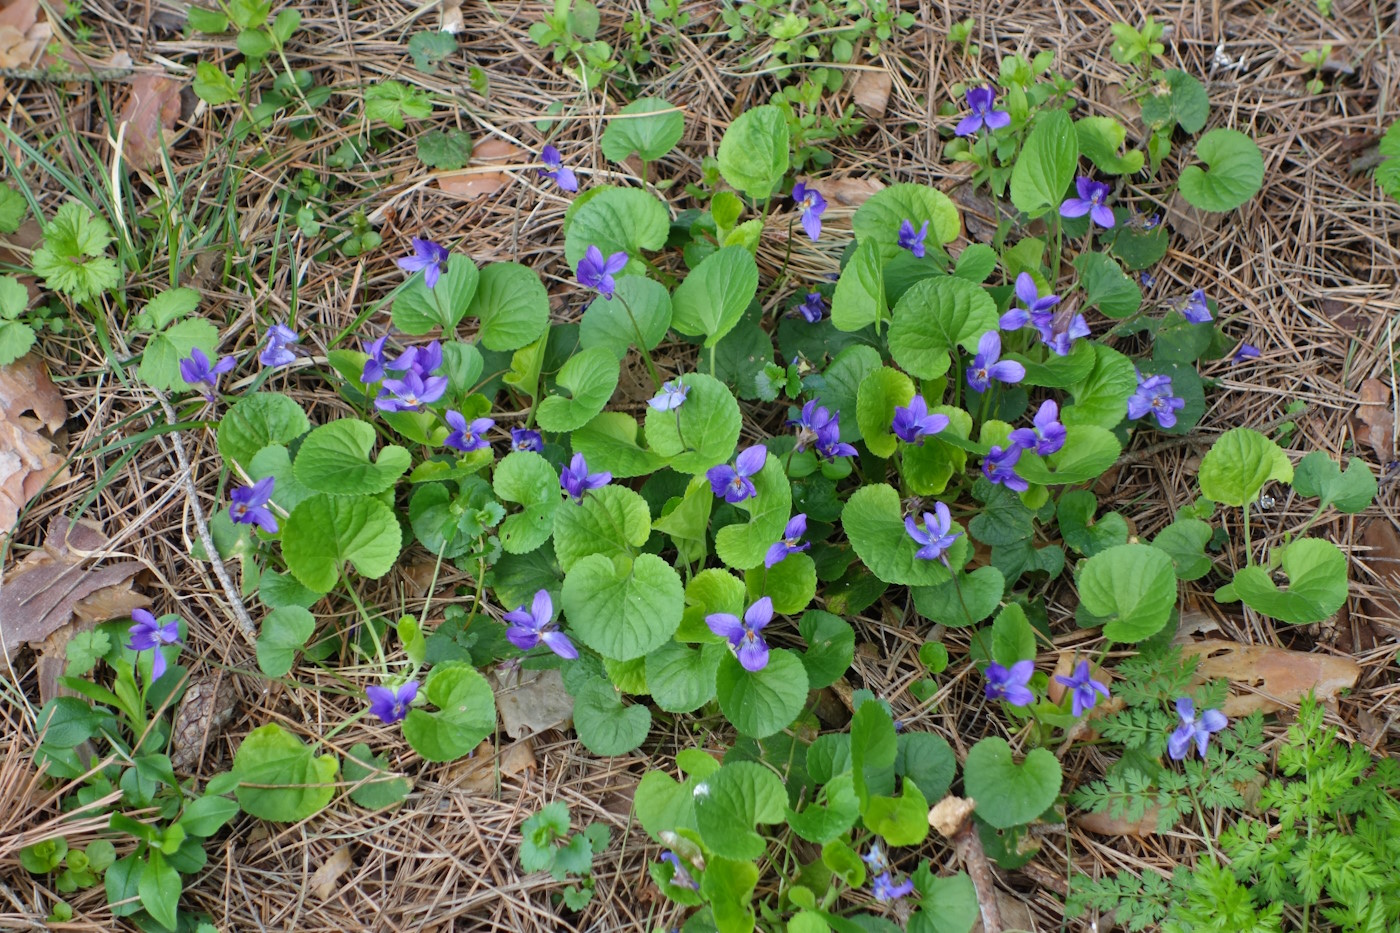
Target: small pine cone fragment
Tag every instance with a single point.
(208, 706)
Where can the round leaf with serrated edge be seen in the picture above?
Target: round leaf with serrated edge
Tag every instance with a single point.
(15, 341)
(874, 521)
(934, 316)
(604, 725)
(617, 219)
(880, 217)
(831, 645)
(606, 322)
(380, 789)
(466, 714)
(1239, 464)
(859, 299)
(1236, 171)
(663, 804)
(753, 154)
(744, 544)
(418, 308)
(973, 598)
(591, 377)
(621, 611)
(900, 821)
(734, 800)
(948, 904)
(527, 478)
(928, 761)
(708, 592)
(1317, 583)
(610, 521)
(512, 305)
(1088, 452)
(682, 679)
(1101, 398)
(1106, 286)
(609, 442)
(709, 426)
(791, 583)
(843, 378)
(762, 703)
(335, 459)
(258, 420)
(714, 295)
(1185, 542)
(1009, 794)
(1131, 588)
(284, 632)
(880, 393)
(1046, 164)
(324, 532)
(280, 778)
(649, 126)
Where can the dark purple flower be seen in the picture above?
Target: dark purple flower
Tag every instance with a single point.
(196, 371)
(732, 482)
(555, 168)
(744, 638)
(911, 239)
(885, 890)
(1084, 690)
(981, 100)
(1060, 342)
(671, 396)
(813, 309)
(279, 336)
(1031, 304)
(791, 542)
(576, 480)
(390, 704)
(467, 437)
(829, 444)
(249, 505)
(1047, 436)
(411, 393)
(999, 466)
(1247, 351)
(374, 366)
(681, 876)
(428, 258)
(1193, 728)
(596, 272)
(424, 360)
(988, 365)
(1092, 195)
(937, 536)
(1010, 684)
(533, 626)
(1196, 310)
(147, 634)
(812, 205)
(811, 424)
(525, 439)
(1154, 397)
(913, 422)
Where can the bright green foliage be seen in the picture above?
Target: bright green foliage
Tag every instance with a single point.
(73, 259)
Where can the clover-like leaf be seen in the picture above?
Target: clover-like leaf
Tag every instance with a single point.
(324, 532)
(1009, 794)
(591, 377)
(280, 778)
(335, 459)
(465, 714)
(934, 316)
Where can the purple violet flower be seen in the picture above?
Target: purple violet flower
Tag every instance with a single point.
(533, 627)
(554, 168)
(467, 437)
(249, 505)
(1047, 436)
(1092, 195)
(980, 100)
(744, 638)
(424, 360)
(999, 466)
(1147, 279)
(812, 204)
(1154, 397)
(1196, 309)
(1059, 342)
(829, 443)
(988, 365)
(275, 354)
(428, 258)
(813, 309)
(875, 858)
(1084, 690)
(525, 439)
(1010, 684)
(885, 890)
(147, 634)
(576, 480)
(1031, 304)
(1247, 351)
(374, 366)
(913, 240)
(732, 482)
(391, 704)
(937, 536)
(596, 272)
(811, 424)
(411, 393)
(680, 876)
(791, 542)
(912, 423)
(671, 396)
(196, 371)
(1193, 729)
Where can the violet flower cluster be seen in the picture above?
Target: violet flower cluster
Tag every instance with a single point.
(407, 382)
(820, 429)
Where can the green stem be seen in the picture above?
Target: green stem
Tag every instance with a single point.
(368, 624)
(641, 343)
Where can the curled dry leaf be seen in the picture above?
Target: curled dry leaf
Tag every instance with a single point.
(23, 34)
(532, 701)
(949, 814)
(1277, 677)
(1382, 557)
(206, 708)
(1374, 421)
(152, 106)
(452, 16)
(478, 773)
(32, 414)
(1104, 825)
(477, 179)
(871, 91)
(324, 881)
(849, 192)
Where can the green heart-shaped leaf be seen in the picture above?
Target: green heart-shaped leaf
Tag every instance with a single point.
(1009, 794)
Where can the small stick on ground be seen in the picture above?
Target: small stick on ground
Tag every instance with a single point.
(952, 818)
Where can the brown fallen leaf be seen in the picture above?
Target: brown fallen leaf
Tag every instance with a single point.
(476, 180)
(532, 701)
(323, 882)
(1278, 677)
(478, 773)
(871, 92)
(1374, 421)
(152, 106)
(949, 814)
(23, 33)
(1102, 824)
(1193, 224)
(850, 192)
(1382, 556)
(207, 706)
(32, 414)
(452, 16)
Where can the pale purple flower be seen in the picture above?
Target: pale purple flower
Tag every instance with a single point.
(374, 366)
(937, 536)
(1194, 729)
(1154, 397)
(1147, 279)
(576, 480)
(981, 100)
(279, 337)
(555, 169)
(671, 396)
(1031, 304)
(988, 365)
(1247, 351)
(911, 239)
(249, 505)
(790, 543)
(533, 626)
(744, 638)
(526, 439)
(391, 704)
(1047, 436)
(596, 272)
(1092, 195)
(411, 393)
(196, 370)
(1010, 684)
(812, 204)
(681, 876)
(999, 466)
(885, 890)
(875, 858)
(1060, 342)
(912, 422)
(1084, 690)
(813, 309)
(428, 258)
(1196, 309)
(467, 437)
(732, 482)
(147, 634)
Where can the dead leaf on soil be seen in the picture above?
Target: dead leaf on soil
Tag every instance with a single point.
(532, 701)
(1374, 422)
(979, 210)
(472, 181)
(23, 33)
(31, 413)
(452, 16)
(1279, 677)
(1346, 315)
(323, 883)
(151, 109)
(949, 814)
(850, 192)
(478, 773)
(1383, 558)
(1195, 225)
(871, 92)
(1102, 824)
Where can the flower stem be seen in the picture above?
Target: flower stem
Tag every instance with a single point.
(641, 343)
